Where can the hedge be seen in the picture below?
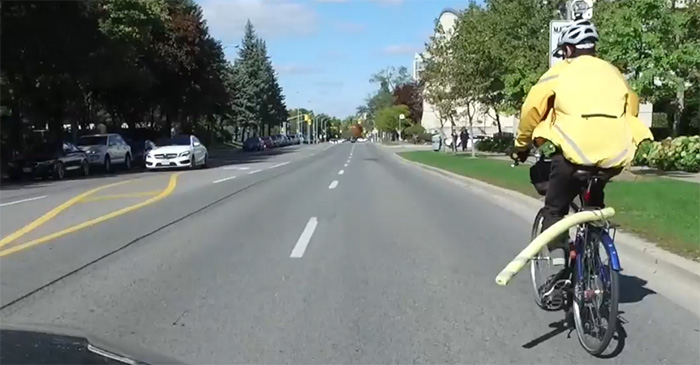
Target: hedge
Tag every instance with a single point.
(499, 144)
(678, 154)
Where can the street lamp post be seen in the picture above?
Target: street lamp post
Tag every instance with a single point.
(401, 117)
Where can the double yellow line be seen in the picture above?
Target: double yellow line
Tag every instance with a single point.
(172, 183)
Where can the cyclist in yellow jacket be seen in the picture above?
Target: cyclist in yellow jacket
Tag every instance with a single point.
(584, 106)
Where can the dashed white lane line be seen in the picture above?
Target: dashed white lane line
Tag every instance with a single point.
(254, 172)
(333, 184)
(279, 164)
(23, 200)
(341, 172)
(235, 168)
(224, 179)
(346, 165)
(303, 241)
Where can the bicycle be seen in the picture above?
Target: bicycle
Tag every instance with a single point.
(585, 284)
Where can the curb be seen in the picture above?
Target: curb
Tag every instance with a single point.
(655, 260)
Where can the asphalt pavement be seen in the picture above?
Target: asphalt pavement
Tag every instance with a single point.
(313, 254)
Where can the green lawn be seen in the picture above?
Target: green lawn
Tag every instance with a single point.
(662, 210)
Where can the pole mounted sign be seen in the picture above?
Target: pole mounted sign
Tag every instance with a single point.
(556, 27)
(575, 10)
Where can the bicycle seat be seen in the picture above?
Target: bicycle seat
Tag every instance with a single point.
(585, 175)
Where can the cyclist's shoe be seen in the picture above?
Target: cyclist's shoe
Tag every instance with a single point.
(553, 292)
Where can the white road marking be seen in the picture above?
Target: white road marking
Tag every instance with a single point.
(254, 172)
(279, 164)
(235, 168)
(333, 184)
(341, 172)
(346, 165)
(23, 200)
(224, 179)
(304, 239)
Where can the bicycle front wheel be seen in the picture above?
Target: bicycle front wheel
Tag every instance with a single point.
(596, 296)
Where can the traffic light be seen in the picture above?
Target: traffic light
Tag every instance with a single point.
(307, 119)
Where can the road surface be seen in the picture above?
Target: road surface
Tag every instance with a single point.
(318, 254)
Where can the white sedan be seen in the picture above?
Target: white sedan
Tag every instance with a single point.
(179, 151)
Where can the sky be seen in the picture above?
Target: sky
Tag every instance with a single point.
(326, 50)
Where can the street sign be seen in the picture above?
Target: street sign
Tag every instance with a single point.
(556, 27)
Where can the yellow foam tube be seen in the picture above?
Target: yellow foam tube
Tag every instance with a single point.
(547, 236)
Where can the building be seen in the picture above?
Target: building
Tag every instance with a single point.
(484, 124)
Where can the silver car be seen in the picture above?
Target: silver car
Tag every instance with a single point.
(106, 150)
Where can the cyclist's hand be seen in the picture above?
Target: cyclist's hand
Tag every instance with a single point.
(519, 156)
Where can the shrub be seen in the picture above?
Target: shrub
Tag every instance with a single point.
(679, 154)
(413, 132)
(425, 137)
(495, 144)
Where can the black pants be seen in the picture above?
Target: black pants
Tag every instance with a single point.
(564, 188)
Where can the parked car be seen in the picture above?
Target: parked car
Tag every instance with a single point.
(106, 150)
(179, 151)
(254, 144)
(268, 143)
(292, 139)
(279, 140)
(139, 150)
(50, 160)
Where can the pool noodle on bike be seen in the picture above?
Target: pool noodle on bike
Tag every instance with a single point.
(547, 236)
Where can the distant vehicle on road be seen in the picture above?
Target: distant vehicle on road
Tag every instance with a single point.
(253, 144)
(139, 150)
(50, 160)
(268, 143)
(179, 151)
(280, 140)
(106, 150)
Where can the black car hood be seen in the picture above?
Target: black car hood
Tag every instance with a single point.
(40, 344)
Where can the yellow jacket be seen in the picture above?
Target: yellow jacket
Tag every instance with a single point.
(585, 107)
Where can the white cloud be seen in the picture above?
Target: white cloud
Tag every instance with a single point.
(350, 27)
(271, 18)
(401, 49)
(294, 69)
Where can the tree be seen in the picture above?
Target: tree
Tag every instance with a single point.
(485, 69)
(411, 95)
(517, 38)
(446, 93)
(144, 63)
(387, 119)
(657, 44)
(391, 78)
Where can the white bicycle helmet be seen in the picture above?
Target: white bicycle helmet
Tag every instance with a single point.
(581, 34)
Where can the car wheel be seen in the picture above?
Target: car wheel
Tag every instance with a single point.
(85, 168)
(108, 164)
(59, 171)
(205, 164)
(127, 162)
(193, 164)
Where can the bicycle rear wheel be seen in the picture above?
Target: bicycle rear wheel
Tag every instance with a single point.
(596, 297)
